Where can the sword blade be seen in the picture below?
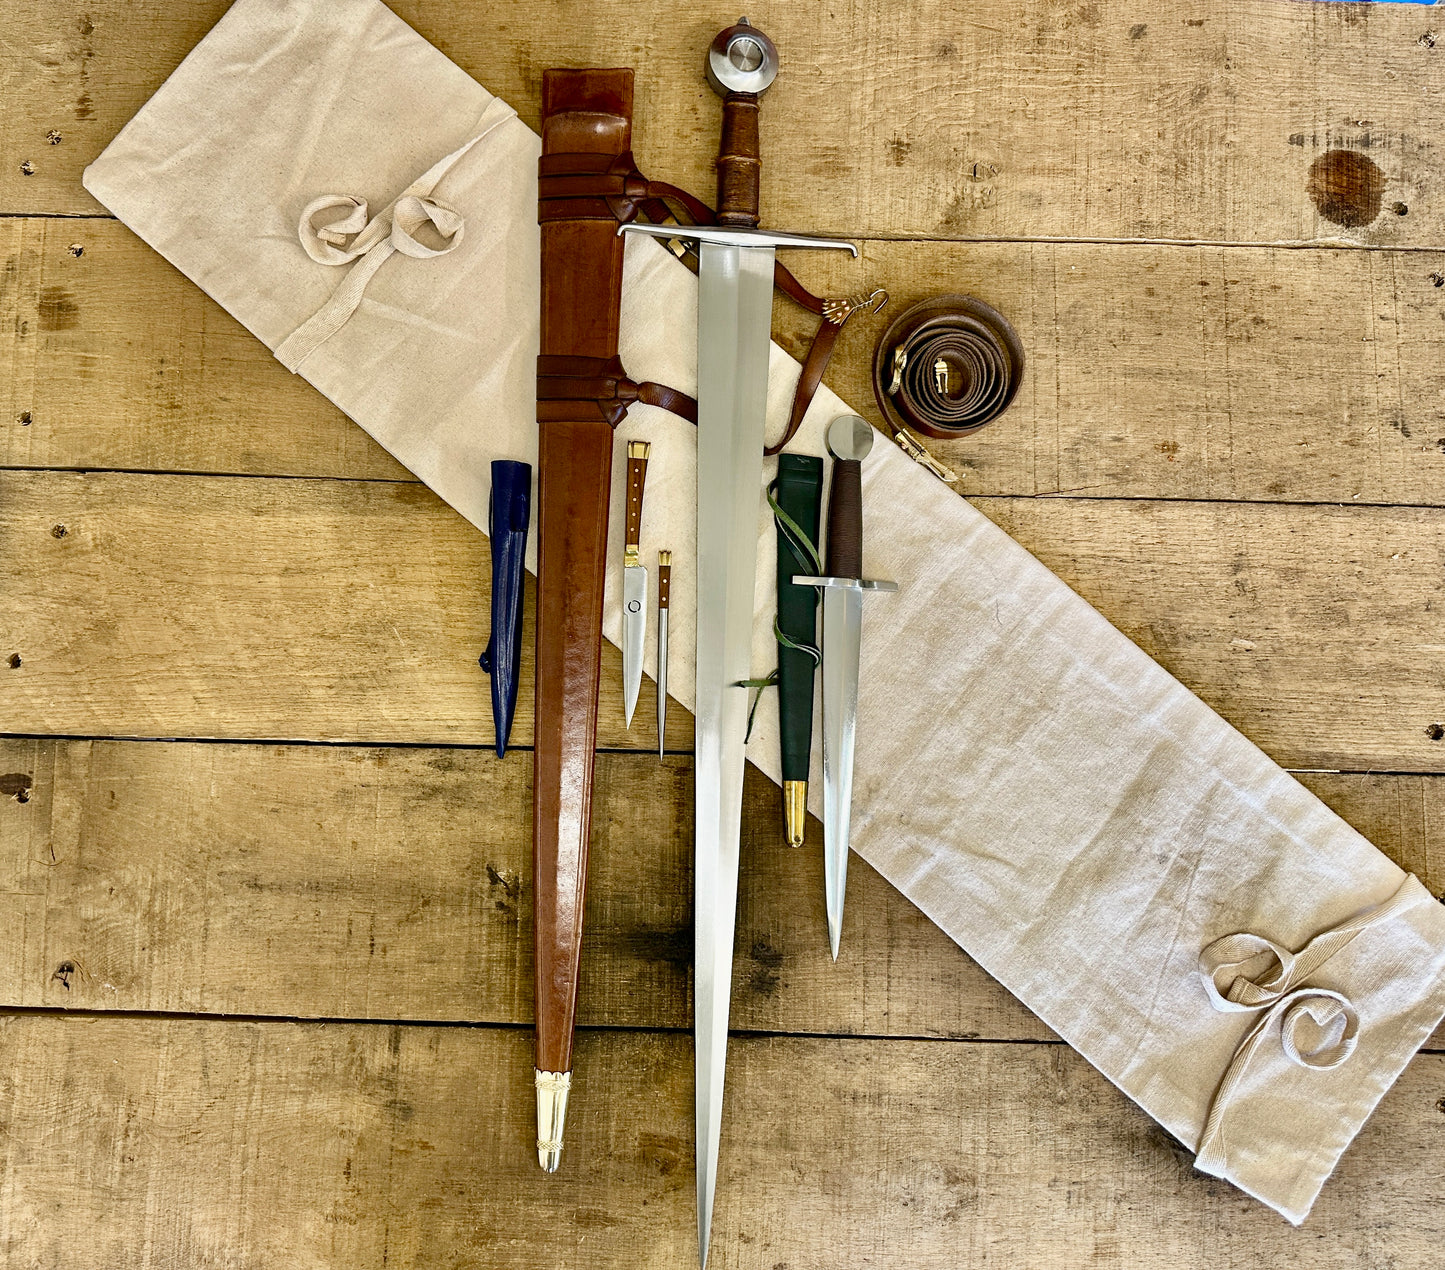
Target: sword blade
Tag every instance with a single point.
(634, 628)
(735, 306)
(842, 634)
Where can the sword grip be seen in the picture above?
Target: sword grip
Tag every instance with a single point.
(739, 162)
(845, 520)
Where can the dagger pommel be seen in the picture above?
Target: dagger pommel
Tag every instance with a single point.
(741, 63)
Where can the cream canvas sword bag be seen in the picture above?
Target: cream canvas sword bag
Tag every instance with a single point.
(1226, 950)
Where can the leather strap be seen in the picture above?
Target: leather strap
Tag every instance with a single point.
(947, 367)
(565, 382)
(581, 394)
(630, 195)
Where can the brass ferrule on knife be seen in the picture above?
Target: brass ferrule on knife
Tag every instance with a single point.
(637, 452)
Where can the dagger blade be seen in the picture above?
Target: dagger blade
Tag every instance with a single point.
(842, 638)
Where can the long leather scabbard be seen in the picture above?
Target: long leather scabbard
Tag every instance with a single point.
(586, 125)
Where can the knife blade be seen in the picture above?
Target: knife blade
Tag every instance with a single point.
(664, 600)
(634, 580)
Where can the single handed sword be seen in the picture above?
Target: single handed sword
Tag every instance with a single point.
(734, 321)
(849, 440)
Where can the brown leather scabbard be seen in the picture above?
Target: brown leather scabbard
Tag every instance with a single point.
(582, 393)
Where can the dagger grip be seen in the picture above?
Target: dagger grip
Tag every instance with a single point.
(739, 162)
(845, 520)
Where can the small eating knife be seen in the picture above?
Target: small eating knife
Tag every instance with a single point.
(664, 598)
(634, 580)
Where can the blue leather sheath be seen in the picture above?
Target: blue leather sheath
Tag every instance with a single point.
(511, 510)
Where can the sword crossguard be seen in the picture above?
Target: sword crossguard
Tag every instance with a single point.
(855, 584)
(727, 237)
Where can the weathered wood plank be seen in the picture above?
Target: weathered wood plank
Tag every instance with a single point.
(316, 610)
(396, 884)
(150, 1144)
(1105, 119)
(327, 882)
(1158, 372)
(333, 610)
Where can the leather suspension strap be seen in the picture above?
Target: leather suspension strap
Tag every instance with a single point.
(947, 366)
(630, 194)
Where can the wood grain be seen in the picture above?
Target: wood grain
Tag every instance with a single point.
(1158, 372)
(396, 884)
(334, 610)
(1106, 119)
(336, 882)
(151, 1144)
(316, 610)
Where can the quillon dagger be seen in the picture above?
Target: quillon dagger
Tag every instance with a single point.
(508, 517)
(735, 305)
(664, 602)
(849, 440)
(800, 498)
(634, 579)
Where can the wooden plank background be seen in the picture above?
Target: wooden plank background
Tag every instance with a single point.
(265, 946)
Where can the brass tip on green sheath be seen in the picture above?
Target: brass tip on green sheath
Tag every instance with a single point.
(795, 810)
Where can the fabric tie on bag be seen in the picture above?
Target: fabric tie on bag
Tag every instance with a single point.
(1245, 972)
(375, 241)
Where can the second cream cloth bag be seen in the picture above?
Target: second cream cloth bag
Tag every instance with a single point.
(1225, 949)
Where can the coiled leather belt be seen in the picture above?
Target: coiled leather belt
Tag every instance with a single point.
(947, 367)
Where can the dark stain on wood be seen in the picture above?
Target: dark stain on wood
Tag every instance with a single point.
(16, 785)
(767, 963)
(58, 310)
(1347, 187)
(506, 888)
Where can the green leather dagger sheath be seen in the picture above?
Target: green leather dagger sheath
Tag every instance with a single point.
(800, 495)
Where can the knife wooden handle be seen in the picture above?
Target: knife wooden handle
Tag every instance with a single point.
(845, 520)
(664, 579)
(637, 452)
(739, 164)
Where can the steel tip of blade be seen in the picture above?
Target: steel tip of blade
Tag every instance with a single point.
(835, 937)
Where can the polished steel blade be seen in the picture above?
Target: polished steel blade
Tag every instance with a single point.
(634, 631)
(842, 633)
(661, 681)
(735, 306)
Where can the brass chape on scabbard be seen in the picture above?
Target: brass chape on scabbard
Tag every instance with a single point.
(552, 1090)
